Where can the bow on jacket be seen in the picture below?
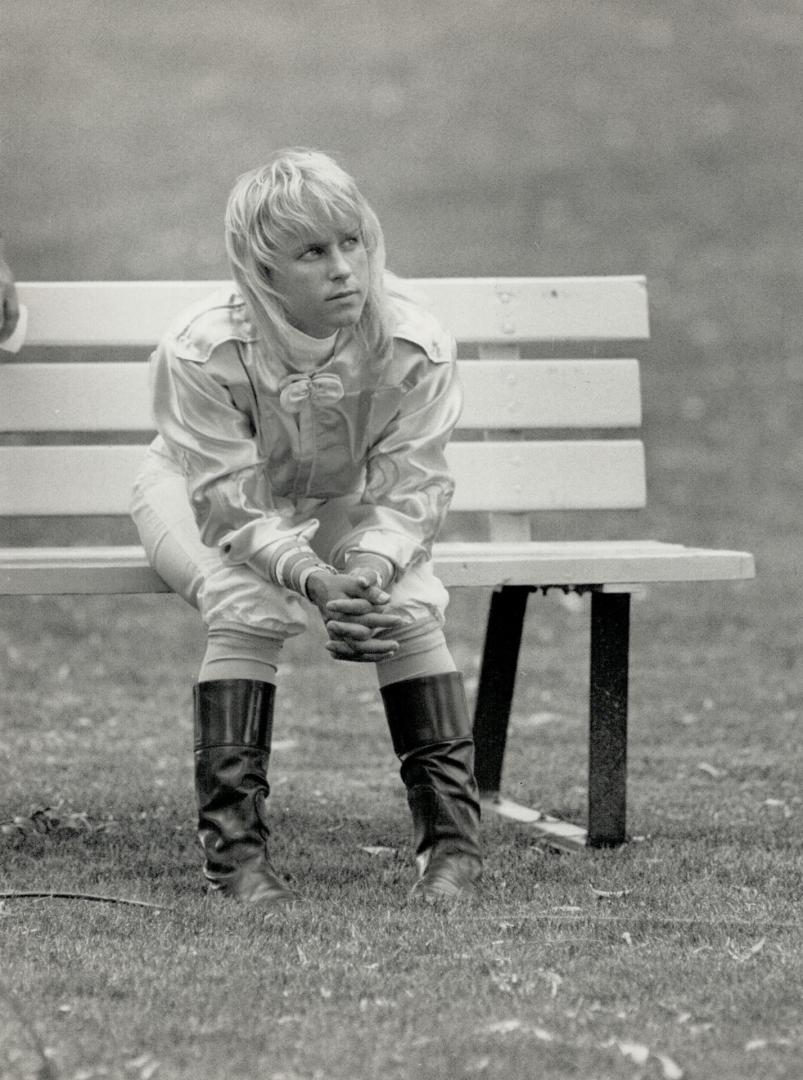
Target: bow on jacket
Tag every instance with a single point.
(323, 388)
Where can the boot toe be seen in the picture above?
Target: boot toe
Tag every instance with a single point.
(447, 879)
(258, 884)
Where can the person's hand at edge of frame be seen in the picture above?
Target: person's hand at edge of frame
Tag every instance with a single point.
(9, 304)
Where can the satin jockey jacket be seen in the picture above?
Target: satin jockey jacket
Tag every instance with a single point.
(261, 444)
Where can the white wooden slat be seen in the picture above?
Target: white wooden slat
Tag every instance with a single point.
(570, 475)
(125, 569)
(550, 394)
(509, 527)
(490, 476)
(474, 309)
(498, 394)
(75, 397)
(541, 309)
(67, 481)
(106, 312)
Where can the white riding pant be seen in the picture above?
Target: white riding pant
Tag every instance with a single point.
(235, 602)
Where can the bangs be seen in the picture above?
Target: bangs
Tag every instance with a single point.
(296, 226)
(302, 198)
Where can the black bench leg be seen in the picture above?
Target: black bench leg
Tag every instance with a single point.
(607, 764)
(497, 681)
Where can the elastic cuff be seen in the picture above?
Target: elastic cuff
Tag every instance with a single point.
(289, 565)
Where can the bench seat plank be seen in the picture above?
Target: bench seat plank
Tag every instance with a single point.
(572, 563)
(596, 562)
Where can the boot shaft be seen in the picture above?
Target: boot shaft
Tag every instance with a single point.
(233, 729)
(431, 732)
(234, 712)
(430, 709)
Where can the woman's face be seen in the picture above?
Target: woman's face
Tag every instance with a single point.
(323, 279)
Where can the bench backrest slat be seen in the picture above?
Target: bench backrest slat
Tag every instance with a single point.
(498, 394)
(474, 309)
(498, 466)
(490, 476)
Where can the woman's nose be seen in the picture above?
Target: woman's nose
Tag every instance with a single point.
(339, 265)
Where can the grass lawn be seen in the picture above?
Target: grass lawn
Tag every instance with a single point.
(507, 137)
(685, 946)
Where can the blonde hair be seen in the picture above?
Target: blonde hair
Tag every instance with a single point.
(270, 209)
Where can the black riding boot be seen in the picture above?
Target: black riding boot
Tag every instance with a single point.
(431, 733)
(233, 727)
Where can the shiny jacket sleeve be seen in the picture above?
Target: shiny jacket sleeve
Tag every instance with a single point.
(213, 440)
(408, 485)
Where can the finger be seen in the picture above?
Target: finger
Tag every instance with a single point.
(371, 650)
(348, 631)
(9, 316)
(381, 620)
(377, 595)
(377, 620)
(369, 580)
(350, 606)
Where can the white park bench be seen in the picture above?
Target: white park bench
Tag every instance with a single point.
(62, 456)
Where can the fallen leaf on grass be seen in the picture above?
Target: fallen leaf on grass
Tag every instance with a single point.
(378, 850)
(711, 770)
(144, 1066)
(542, 1034)
(607, 894)
(504, 1027)
(741, 956)
(554, 980)
(762, 1044)
(480, 1065)
(670, 1069)
(638, 1053)
(45, 820)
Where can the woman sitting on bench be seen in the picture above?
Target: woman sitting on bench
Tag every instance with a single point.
(302, 422)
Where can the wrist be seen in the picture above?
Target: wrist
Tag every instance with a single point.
(289, 564)
(315, 584)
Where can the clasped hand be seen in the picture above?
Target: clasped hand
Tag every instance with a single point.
(351, 606)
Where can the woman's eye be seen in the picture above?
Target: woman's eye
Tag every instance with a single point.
(351, 242)
(312, 252)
